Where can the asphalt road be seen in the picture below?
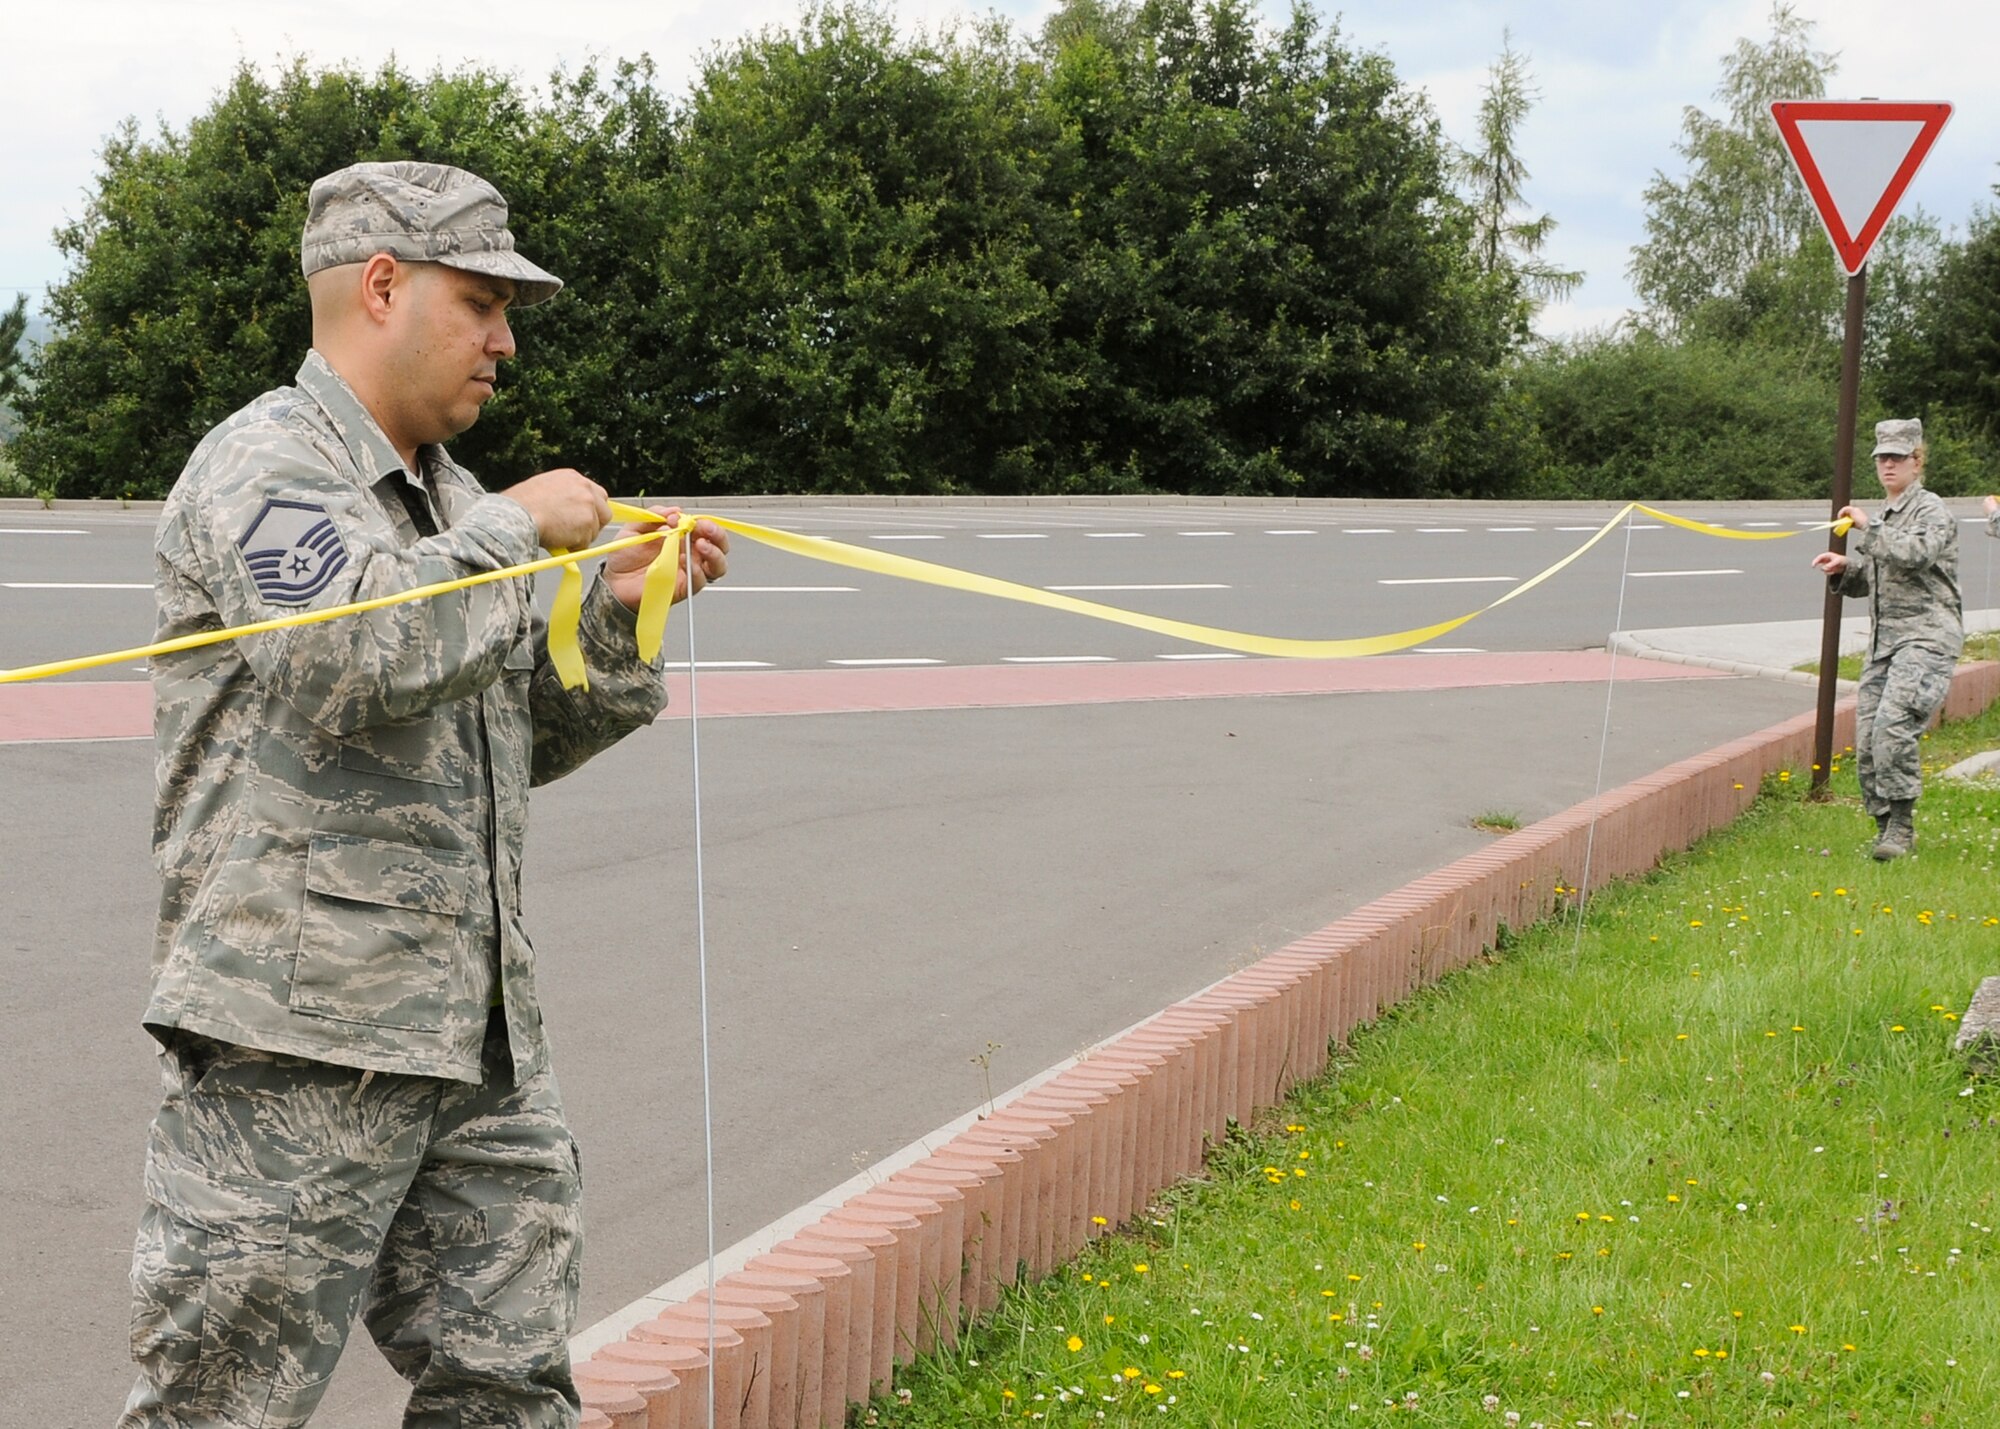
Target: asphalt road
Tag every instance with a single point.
(71, 585)
(893, 899)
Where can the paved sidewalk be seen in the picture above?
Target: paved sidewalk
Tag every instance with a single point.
(1774, 648)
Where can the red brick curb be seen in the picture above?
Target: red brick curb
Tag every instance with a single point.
(1023, 1189)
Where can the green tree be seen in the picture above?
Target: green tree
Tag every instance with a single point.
(1495, 179)
(13, 328)
(184, 298)
(855, 250)
(1740, 207)
(1269, 284)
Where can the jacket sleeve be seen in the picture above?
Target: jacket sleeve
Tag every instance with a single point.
(626, 693)
(1853, 581)
(277, 531)
(1928, 535)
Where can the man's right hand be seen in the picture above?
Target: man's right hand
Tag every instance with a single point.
(568, 508)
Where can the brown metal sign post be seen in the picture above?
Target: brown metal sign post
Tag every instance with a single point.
(1856, 159)
(1843, 494)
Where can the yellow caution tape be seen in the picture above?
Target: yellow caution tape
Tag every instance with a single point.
(662, 577)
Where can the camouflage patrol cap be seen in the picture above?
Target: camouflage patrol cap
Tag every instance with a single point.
(422, 213)
(1898, 437)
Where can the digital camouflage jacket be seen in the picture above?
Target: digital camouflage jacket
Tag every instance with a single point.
(1906, 564)
(340, 806)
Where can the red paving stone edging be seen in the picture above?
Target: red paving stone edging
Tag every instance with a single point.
(1021, 1190)
(123, 709)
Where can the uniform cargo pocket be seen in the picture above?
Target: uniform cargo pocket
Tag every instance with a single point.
(208, 1274)
(379, 931)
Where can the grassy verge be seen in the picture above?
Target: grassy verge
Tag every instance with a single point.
(1977, 647)
(1711, 1163)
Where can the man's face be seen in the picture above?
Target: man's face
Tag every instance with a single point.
(452, 334)
(1896, 472)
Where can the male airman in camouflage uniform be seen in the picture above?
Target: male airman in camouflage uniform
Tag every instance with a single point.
(1906, 564)
(357, 1097)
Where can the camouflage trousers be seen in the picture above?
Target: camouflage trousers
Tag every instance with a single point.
(1900, 693)
(282, 1194)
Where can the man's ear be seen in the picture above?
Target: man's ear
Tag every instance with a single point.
(381, 285)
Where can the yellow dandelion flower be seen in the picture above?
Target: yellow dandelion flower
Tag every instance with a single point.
(1798, 1329)
(1701, 1354)
(1597, 1309)
(1416, 1245)
(1099, 1221)
(1176, 1374)
(1297, 1205)
(1075, 1343)
(1110, 1319)
(1672, 1198)
(1152, 1388)
(1141, 1268)
(1131, 1373)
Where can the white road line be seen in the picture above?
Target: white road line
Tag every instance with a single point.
(720, 664)
(1116, 535)
(784, 589)
(1204, 533)
(1510, 528)
(1440, 530)
(1452, 580)
(1760, 525)
(906, 538)
(40, 531)
(1655, 527)
(1305, 532)
(1808, 523)
(1579, 528)
(1367, 530)
(1057, 659)
(1010, 535)
(891, 660)
(1449, 650)
(1206, 655)
(1637, 574)
(1191, 586)
(76, 585)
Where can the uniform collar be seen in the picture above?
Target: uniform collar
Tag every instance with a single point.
(373, 454)
(1909, 495)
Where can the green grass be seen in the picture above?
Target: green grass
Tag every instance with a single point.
(1714, 1163)
(1977, 647)
(1497, 821)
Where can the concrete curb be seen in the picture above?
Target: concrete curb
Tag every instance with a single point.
(1631, 643)
(1086, 1147)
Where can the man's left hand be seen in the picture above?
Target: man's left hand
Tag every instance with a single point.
(625, 571)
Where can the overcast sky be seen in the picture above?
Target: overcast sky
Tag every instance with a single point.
(1614, 78)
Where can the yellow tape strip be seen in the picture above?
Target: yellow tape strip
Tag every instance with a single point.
(662, 577)
(314, 617)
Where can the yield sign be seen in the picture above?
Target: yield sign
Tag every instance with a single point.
(1857, 157)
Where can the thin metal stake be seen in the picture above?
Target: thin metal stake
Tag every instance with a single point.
(701, 968)
(1604, 735)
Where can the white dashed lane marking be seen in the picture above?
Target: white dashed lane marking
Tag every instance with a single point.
(1116, 535)
(1440, 530)
(1206, 655)
(1191, 586)
(40, 531)
(1451, 580)
(76, 585)
(777, 589)
(912, 537)
(1205, 533)
(891, 660)
(1500, 530)
(720, 664)
(1057, 659)
(1010, 535)
(1637, 574)
(1367, 531)
(1303, 532)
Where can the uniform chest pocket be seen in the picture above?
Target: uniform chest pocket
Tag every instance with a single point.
(379, 931)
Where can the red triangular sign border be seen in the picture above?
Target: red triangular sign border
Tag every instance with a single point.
(1853, 248)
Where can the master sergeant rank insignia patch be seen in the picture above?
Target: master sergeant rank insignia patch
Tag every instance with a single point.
(293, 551)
